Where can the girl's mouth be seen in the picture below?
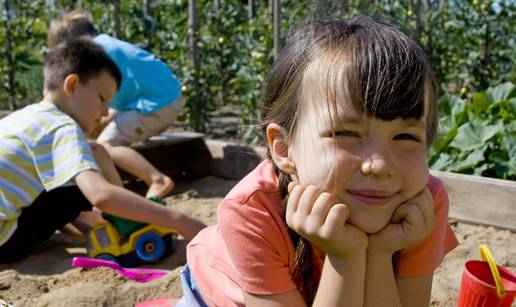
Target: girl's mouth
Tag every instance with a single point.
(372, 197)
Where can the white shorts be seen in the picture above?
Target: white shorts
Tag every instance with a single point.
(132, 126)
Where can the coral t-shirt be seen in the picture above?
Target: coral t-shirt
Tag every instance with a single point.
(250, 248)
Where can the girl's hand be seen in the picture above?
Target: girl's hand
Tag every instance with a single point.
(320, 218)
(411, 222)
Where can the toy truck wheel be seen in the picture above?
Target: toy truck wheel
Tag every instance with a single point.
(150, 247)
(107, 257)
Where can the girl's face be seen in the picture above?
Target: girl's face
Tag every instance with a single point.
(371, 165)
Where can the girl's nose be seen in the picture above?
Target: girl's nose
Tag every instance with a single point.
(377, 165)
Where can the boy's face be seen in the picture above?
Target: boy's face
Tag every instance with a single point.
(90, 100)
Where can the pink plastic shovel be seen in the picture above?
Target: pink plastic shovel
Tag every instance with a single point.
(138, 274)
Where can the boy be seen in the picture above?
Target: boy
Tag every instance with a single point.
(148, 102)
(43, 147)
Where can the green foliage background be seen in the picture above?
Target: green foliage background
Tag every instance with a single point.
(470, 43)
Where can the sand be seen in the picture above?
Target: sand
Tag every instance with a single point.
(47, 278)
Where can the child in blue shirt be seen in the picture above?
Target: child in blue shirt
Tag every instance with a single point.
(148, 102)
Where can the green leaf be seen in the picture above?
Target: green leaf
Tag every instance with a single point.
(511, 103)
(478, 103)
(470, 161)
(443, 162)
(450, 104)
(445, 124)
(473, 135)
(500, 92)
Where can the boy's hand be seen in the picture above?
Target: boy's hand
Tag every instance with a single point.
(411, 222)
(103, 122)
(319, 217)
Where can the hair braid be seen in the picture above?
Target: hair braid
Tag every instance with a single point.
(303, 268)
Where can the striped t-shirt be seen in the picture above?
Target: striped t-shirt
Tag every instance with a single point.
(41, 148)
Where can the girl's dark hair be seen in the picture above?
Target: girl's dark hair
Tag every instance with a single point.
(80, 56)
(383, 73)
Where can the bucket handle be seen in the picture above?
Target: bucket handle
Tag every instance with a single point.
(485, 254)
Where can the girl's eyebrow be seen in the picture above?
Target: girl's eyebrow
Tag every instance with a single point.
(414, 123)
(350, 119)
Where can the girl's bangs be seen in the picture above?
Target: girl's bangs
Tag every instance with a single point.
(379, 75)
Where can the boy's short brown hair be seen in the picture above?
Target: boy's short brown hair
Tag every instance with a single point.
(70, 25)
(80, 56)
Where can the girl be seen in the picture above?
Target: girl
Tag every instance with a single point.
(343, 212)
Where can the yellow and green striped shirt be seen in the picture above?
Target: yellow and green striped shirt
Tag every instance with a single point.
(41, 148)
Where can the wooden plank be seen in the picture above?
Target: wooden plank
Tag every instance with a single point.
(178, 155)
(168, 139)
(481, 200)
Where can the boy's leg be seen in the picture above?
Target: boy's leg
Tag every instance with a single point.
(134, 163)
(49, 212)
(106, 164)
(132, 126)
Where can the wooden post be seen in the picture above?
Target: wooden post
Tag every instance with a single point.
(277, 25)
(252, 9)
(117, 28)
(484, 63)
(416, 10)
(50, 4)
(192, 23)
(10, 60)
(271, 11)
(147, 20)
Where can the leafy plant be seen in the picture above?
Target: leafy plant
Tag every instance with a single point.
(478, 136)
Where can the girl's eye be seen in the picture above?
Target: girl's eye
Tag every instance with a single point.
(406, 137)
(101, 98)
(347, 133)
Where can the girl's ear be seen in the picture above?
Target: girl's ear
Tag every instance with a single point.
(70, 84)
(277, 139)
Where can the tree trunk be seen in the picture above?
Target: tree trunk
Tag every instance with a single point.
(429, 27)
(271, 11)
(117, 27)
(50, 4)
(10, 60)
(416, 10)
(148, 24)
(252, 8)
(277, 25)
(195, 106)
(484, 75)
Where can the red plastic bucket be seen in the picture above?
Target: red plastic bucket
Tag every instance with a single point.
(479, 286)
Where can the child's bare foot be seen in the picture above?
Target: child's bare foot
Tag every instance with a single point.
(88, 219)
(71, 231)
(161, 186)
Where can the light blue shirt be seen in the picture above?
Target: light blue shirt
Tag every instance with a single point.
(148, 84)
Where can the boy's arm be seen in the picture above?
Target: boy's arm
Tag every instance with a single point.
(124, 203)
